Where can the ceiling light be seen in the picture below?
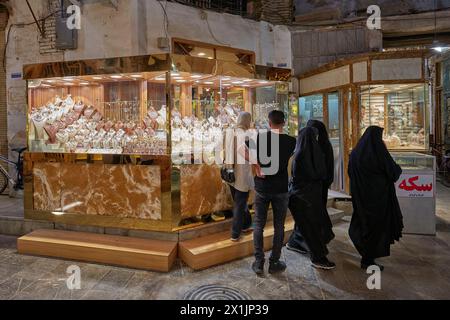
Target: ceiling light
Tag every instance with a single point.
(50, 81)
(117, 77)
(196, 76)
(237, 82)
(160, 79)
(174, 74)
(264, 82)
(208, 82)
(177, 78)
(210, 58)
(201, 54)
(46, 85)
(67, 79)
(84, 83)
(97, 78)
(248, 80)
(226, 79)
(181, 80)
(69, 84)
(136, 76)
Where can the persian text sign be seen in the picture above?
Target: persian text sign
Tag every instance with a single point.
(415, 186)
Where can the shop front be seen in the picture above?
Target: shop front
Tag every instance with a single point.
(129, 142)
(390, 90)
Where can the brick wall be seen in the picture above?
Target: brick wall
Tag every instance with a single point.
(3, 106)
(47, 44)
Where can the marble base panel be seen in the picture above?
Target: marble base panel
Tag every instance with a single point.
(203, 191)
(122, 191)
(47, 186)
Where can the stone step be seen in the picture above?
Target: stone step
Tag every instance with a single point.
(204, 252)
(121, 251)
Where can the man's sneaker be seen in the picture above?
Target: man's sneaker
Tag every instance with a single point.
(236, 239)
(324, 264)
(258, 267)
(298, 249)
(276, 267)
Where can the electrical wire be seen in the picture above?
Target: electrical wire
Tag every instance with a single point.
(166, 21)
(212, 33)
(21, 25)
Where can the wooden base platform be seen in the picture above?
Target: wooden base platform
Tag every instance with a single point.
(204, 252)
(136, 253)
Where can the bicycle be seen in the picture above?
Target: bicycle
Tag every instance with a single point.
(6, 178)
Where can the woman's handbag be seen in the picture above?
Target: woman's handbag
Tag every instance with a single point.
(227, 174)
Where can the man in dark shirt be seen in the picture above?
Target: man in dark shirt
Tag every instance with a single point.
(271, 184)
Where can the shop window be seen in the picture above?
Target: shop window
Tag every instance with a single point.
(127, 113)
(333, 115)
(311, 108)
(400, 109)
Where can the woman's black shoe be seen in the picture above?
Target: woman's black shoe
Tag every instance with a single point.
(324, 264)
(276, 267)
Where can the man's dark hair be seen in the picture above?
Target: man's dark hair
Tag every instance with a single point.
(277, 117)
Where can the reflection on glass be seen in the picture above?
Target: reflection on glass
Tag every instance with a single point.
(333, 115)
(311, 108)
(400, 110)
(334, 133)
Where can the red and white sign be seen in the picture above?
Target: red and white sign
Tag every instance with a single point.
(415, 186)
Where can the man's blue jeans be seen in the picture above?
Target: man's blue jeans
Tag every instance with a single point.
(279, 206)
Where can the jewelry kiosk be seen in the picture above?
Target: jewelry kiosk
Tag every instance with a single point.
(104, 134)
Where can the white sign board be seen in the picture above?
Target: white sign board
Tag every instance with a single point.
(415, 186)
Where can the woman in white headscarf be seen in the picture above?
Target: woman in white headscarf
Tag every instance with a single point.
(244, 181)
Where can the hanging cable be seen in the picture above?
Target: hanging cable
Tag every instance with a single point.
(21, 25)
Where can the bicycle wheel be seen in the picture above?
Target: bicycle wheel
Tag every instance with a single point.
(3, 182)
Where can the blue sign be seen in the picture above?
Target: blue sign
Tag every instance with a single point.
(16, 75)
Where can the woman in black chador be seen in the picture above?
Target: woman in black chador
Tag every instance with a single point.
(377, 221)
(297, 242)
(306, 203)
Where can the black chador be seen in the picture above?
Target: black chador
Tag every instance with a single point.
(377, 220)
(297, 242)
(309, 175)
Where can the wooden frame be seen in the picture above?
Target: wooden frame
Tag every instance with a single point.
(245, 53)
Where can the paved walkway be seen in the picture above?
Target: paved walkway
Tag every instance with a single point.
(419, 268)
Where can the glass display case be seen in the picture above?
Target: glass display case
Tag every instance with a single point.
(414, 161)
(416, 192)
(127, 113)
(106, 137)
(401, 110)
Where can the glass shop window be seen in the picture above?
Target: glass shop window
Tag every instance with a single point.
(206, 105)
(99, 114)
(311, 108)
(333, 115)
(400, 109)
